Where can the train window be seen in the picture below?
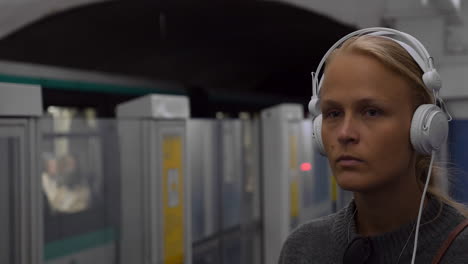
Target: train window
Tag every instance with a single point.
(71, 176)
(80, 184)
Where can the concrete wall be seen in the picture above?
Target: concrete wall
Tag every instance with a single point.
(360, 13)
(15, 14)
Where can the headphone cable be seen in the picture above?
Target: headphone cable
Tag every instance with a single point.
(421, 207)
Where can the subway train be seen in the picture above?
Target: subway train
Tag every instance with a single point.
(151, 184)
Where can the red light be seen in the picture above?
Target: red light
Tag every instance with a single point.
(306, 166)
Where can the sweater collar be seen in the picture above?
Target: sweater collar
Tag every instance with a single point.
(435, 220)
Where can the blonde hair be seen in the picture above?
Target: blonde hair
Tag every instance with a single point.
(397, 59)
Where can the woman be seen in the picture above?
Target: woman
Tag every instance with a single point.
(370, 90)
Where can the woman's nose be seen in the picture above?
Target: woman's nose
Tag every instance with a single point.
(348, 130)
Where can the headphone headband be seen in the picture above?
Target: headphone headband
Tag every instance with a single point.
(417, 50)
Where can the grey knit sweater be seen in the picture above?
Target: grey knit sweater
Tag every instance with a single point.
(325, 240)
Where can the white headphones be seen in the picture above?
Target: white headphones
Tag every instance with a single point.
(429, 126)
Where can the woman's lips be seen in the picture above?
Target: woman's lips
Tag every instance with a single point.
(349, 161)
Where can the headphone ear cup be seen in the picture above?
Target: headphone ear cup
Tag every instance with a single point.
(317, 135)
(429, 129)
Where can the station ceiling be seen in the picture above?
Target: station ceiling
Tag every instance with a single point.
(262, 47)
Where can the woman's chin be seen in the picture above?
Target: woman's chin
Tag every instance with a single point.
(353, 181)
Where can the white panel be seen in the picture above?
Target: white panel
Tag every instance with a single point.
(7, 171)
(142, 197)
(276, 186)
(24, 191)
(156, 106)
(132, 196)
(20, 100)
(154, 191)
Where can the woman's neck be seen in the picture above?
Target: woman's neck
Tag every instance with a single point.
(387, 210)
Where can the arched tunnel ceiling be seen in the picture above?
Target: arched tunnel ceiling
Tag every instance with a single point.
(255, 46)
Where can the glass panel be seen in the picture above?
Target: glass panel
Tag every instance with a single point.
(9, 153)
(205, 184)
(72, 176)
(231, 173)
(80, 183)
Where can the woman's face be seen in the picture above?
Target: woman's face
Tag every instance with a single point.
(367, 111)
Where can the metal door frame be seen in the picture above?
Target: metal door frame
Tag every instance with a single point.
(27, 199)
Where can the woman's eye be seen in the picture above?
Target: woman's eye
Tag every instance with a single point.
(372, 112)
(332, 114)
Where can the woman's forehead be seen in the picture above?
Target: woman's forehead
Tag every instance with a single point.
(361, 77)
(369, 100)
